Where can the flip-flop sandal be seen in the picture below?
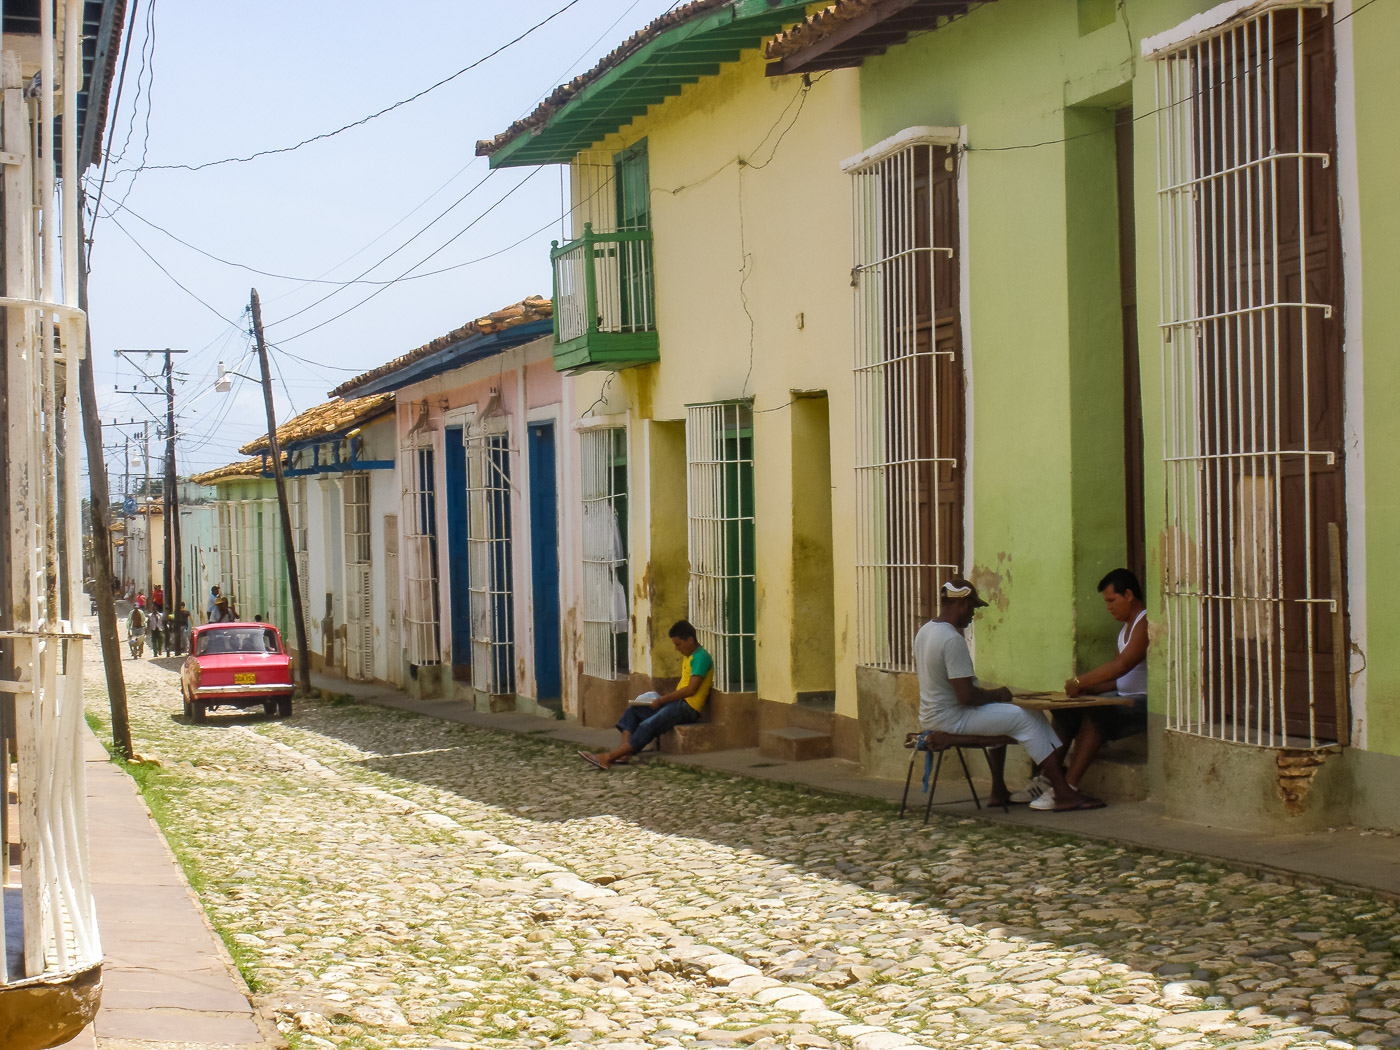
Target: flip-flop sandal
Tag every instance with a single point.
(592, 760)
(1085, 803)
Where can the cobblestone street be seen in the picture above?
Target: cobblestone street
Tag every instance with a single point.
(387, 880)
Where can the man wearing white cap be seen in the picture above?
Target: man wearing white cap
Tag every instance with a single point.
(952, 701)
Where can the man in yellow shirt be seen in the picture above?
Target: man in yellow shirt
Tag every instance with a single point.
(652, 714)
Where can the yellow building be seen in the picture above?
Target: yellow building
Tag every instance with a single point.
(717, 473)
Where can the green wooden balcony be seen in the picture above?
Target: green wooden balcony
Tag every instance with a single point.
(604, 301)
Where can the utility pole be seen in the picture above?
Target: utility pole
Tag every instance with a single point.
(303, 653)
(101, 532)
(146, 496)
(170, 494)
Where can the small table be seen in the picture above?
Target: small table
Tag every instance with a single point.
(1041, 700)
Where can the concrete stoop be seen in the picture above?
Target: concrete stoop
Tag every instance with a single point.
(698, 738)
(794, 744)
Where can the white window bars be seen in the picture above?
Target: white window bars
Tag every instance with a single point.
(228, 558)
(59, 936)
(301, 542)
(359, 607)
(720, 516)
(909, 411)
(490, 558)
(1252, 391)
(605, 551)
(421, 611)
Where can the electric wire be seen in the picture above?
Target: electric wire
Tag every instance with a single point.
(366, 119)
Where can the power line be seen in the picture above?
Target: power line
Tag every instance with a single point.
(366, 119)
(173, 278)
(384, 288)
(373, 266)
(111, 130)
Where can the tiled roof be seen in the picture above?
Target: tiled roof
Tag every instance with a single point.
(561, 95)
(334, 417)
(244, 468)
(850, 30)
(535, 308)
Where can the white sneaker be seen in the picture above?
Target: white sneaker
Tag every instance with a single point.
(1036, 787)
(1047, 799)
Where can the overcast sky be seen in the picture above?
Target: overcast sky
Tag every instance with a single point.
(227, 80)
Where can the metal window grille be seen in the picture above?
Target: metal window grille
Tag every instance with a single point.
(48, 926)
(421, 610)
(909, 412)
(359, 608)
(719, 497)
(605, 552)
(1252, 399)
(227, 557)
(302, 543)
(489, 560)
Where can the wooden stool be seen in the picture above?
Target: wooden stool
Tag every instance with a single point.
(935, 743)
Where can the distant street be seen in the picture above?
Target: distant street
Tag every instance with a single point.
(387, 880)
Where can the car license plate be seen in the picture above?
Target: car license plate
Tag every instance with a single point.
(244, 679)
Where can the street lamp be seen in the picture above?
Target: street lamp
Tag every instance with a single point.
(224, 383)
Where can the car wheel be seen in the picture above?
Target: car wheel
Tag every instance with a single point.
(189, 709)
(284, 707)
(197, 711)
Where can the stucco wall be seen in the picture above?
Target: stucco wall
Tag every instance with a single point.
(751, 218)
(530, 391)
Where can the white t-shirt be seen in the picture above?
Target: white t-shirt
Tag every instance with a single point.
(940, 655)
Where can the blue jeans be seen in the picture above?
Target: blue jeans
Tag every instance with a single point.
(643, 725)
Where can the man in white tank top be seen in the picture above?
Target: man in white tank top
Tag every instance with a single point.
(1124, 675)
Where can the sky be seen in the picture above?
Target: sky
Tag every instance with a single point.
(208, 81)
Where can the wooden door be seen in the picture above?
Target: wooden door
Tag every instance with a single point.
(1272, 391)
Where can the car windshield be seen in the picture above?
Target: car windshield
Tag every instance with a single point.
(237, 640)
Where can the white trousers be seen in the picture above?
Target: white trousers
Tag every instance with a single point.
(1031, 729)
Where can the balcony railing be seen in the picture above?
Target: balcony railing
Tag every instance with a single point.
(604, 301)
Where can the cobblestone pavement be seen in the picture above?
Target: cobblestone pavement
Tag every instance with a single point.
(387, 880)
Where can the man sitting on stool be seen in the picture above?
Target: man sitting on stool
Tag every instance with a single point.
(952, 701)
(643, 722)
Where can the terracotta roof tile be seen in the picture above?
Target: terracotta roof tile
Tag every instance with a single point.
(334, 417)
(561, 95)
(534, 308)
(244, 468)
(822, 23)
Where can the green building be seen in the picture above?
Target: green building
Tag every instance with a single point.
(1135, 251)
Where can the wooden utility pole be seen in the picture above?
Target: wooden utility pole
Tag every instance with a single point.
(275, 451)
(101, 532)
(172, 494)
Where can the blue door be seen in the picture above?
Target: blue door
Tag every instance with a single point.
(455, 465)
(544, 559)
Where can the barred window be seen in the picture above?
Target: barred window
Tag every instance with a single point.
(909, 392)
(1253, 382)
(359, 604)
(719, 498)
(606, 604)
(490, 559)
(301, 543)
(421, 614)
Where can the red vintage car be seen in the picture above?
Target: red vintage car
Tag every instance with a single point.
(236, 665)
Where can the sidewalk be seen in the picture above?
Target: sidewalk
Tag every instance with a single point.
(167, 982)
(1365, 861)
